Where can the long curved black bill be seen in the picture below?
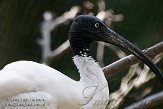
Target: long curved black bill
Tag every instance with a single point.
(115, 39)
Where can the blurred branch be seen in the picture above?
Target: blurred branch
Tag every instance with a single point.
(118, 96)
(111, 17)
(129, 82)
(125, 62)
(148, 102)
(116, 50)
(88, 8)
(58, 52)
(101, 5)
(100, 53)
(50, 24)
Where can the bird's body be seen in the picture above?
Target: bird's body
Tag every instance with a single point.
(31, 81)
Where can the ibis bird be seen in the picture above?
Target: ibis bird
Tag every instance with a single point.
(30, 85)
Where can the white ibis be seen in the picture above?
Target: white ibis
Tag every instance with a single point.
(31, 85)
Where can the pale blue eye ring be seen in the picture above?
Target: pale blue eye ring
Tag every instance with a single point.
(97, 25)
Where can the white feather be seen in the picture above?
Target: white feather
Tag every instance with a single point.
(27, 79)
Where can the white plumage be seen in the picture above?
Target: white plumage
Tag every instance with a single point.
(29, 80)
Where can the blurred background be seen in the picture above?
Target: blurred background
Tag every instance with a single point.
(21, 23)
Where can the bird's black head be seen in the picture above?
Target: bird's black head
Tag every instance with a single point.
(88, 25)
(86, 29)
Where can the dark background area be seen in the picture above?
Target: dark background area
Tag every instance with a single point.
(20, 29)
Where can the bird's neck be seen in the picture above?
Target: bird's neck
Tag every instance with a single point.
(90, 71)
(79, 45)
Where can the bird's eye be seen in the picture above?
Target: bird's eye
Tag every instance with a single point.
(97, 25)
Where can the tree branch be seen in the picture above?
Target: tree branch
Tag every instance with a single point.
(58, 52)
(125, 62)
(47, 26)
(148, 102)
(130, 81)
